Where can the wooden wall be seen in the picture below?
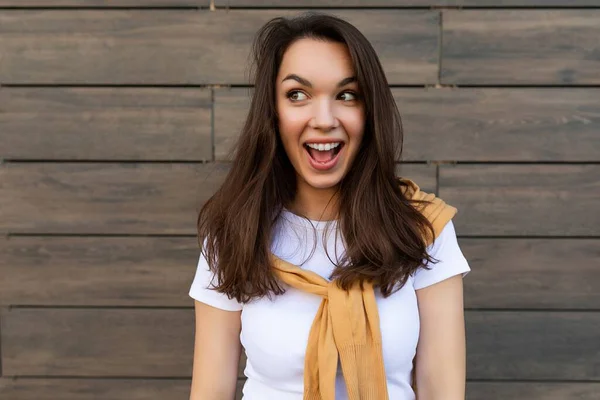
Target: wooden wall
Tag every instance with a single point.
(115, 119)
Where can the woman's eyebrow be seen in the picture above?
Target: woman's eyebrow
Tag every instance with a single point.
(305, 82)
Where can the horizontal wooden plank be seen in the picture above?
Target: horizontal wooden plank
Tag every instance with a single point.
(230, 112)
(532, 273)
(105, 198)
(423, 175)
(104, 3)
(115, 198)
(542, 47)
(532, 390)
(533, 345)
(157, 343)
(403, 3)
(525, 3)
(92, 389)
(547, 124)
(158, 389)
(192, 47)
(522, 200)
(105, 124)
(98, 342)
(97, 271)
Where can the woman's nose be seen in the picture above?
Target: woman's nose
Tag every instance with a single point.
(324, 115)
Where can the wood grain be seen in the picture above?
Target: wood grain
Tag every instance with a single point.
(532, 390)
(547, 124)
(542, 47)
(178, 389)
(423, 175)
(403, 3)
(105, 124)
(523, 200)
(532, 273)
(533, 345)
(182, 47)
(105, 197)
(525, 3)
(98, 342)
(231, 110)
(491, 125)
(158, 342)
(105, 3)
(97, 271)
(116, 198)
(92, 389)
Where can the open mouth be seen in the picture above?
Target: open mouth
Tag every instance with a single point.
(323, 156)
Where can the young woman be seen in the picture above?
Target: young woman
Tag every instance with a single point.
(339, 279)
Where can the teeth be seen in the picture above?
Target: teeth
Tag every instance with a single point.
(323, 146)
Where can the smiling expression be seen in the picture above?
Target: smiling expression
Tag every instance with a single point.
(319, 106)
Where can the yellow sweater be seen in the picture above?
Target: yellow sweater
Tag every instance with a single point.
(347, 323)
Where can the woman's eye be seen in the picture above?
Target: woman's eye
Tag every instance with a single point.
(296, 95)
(349, 96)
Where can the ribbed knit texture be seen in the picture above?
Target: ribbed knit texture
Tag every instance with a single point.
(346, 326)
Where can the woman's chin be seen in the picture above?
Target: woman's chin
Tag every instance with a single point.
(323, 182)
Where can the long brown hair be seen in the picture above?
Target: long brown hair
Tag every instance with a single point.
(382, 231)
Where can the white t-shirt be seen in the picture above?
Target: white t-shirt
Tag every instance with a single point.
(275, 332)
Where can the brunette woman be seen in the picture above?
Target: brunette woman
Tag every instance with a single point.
(339, 279)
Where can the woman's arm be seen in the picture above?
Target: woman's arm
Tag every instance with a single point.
(217, 352)
(441, 353)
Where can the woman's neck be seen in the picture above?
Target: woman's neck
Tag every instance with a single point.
(315, 204)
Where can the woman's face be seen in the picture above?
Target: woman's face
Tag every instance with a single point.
(319, 105)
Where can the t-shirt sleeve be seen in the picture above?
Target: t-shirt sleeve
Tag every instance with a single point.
(202, 289)
(451, 260)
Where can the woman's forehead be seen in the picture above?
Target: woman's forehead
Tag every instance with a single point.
(317, 61)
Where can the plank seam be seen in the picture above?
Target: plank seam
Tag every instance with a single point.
(107, 8)
(402, 8)
(246, 86)
(191, 307)
(110, 377)
(212, 123)
(440, 48)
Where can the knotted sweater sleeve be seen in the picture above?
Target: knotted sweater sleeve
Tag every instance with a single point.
(445, 248)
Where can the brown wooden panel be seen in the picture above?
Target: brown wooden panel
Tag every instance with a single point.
(525, 3)
(533, 345)
(105, 198)
(532, 273)
(92, 389)
(183, 47)
(105, 124)
(532, 390)
(97, 271)
(149, 389)
(98, 342)
(547, 124)
(521, 200)
(521, 47)
(423, 175)
(402, 3)
(153, 343)
(230, 112)
(104, 3)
